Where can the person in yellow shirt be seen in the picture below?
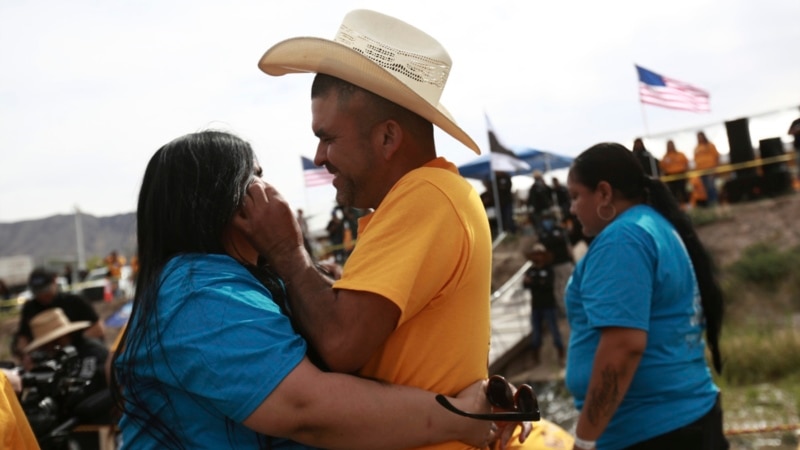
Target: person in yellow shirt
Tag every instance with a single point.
(675, 162)
(409, 311)
(15, 430)
(706, 156)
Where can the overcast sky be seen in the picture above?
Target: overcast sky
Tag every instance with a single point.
(89, 90)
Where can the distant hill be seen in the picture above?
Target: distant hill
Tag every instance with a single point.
(53, 240)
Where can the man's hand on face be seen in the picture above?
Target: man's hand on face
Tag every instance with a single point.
(269, 222)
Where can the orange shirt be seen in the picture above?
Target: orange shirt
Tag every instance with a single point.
(706, 156)
(428, 249)
(674, 162)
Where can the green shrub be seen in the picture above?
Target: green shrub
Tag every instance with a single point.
(703, 216)
(759, 353)
(764, 265)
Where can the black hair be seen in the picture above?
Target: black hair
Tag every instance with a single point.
(380, 107)
(191, 189)
(616, 165)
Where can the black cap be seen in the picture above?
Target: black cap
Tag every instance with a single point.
(40, 278)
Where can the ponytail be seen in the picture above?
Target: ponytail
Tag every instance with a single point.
(662, 200)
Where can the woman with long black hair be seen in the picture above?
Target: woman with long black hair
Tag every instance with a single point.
(638, 303)
(209, 358)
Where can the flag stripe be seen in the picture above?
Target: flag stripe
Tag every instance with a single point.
(658, 90)
(315, 176)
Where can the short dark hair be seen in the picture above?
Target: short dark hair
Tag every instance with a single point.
(381, 107)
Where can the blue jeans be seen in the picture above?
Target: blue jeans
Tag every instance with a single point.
(549, 315)
(710, 187)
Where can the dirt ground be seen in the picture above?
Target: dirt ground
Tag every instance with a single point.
(775, 220)
(736, 227)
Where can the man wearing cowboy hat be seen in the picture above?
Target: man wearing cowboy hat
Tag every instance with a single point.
(46, 295)
(412, 304)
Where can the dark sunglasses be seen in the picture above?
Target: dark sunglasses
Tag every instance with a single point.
(522, 406)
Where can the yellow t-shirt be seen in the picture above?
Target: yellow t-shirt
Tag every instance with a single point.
(15, 431)
(427, 248)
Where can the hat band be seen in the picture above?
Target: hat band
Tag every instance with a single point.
(427, 74)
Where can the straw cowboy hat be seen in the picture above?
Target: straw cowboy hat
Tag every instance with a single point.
(536, 248)
(381, 54)
(51, 324)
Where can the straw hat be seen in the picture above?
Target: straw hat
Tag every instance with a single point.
(536, 248)
(51, 324)
(381, 54)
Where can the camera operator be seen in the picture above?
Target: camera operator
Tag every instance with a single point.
(52, 330)
(67, 384)
(46, 295)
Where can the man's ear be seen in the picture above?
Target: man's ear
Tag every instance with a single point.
(388, 136)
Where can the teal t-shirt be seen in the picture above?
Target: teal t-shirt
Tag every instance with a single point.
(638, 274)
(220, 346)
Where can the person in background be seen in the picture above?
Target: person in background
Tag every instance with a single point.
(540, 200)
(209, 358)
(114, 262)
(335, 229)
(134, 268)
(46, 295)
(649, 163)
(487, 200)
(675, 162)
(706, 157)
(557, 241)
(506, 197)
(561, 197)
(68, 274)
(52, 331)
(638, 304)
(539, 280)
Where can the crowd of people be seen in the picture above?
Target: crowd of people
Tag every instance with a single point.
(239, 338)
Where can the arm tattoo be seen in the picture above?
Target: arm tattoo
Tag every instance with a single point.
(603, 400)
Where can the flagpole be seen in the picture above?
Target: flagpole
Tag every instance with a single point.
(644, 119)
(498, 214)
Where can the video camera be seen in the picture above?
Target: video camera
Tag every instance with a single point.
(51, 392)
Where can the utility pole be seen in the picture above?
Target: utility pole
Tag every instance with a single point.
(79, 240)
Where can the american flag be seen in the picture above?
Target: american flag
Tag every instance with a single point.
(655, 89)
(314, 175)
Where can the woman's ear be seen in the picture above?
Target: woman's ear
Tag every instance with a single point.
(241, 218)
(606, 191)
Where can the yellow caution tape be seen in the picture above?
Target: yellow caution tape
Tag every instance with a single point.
(730, 167)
